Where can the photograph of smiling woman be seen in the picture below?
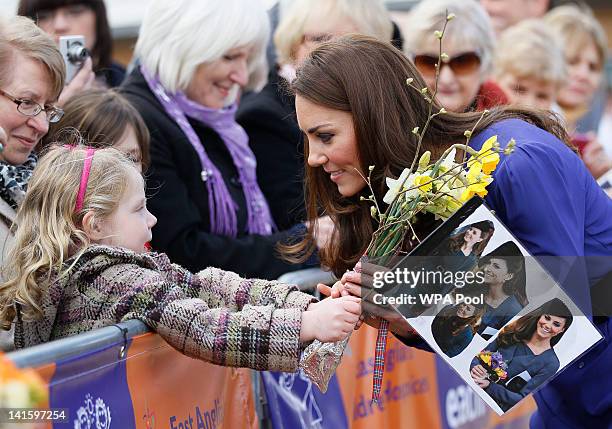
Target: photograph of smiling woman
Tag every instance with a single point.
(505, 285)
(527, 348)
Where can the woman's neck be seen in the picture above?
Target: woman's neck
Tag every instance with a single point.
(467, 248)
(496, 294)
(538, 344)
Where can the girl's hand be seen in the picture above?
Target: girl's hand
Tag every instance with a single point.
(331, 319)
(82, 81)
(478, 372)
(360, 283)
(336, 291)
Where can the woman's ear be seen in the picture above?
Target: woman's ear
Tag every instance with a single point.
(92, 227)
(509, 276)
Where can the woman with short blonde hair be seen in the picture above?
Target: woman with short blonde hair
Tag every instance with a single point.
(584, 42)
(368, 17)
(269, 116)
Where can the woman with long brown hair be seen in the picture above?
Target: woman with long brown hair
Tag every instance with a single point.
(470, 241)
(505, 282)
(526, 347)
(355, 109)
(454, 326)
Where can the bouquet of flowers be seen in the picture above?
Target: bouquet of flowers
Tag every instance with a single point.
(441, 188)
(494, 364)
(20, 388)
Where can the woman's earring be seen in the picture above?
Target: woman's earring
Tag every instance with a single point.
(1, 147)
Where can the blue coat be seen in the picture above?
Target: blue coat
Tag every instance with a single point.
(520, 358)
(497, 317)
(550, 202)
(451, 345)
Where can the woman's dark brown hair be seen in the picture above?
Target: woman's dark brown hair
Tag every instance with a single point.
(101, 118)
(515, 262)
(523, 329)
(448, 323)
(102, 50)
(486, 229)
(367, 77)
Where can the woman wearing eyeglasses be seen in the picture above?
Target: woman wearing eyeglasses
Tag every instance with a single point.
(468, 41)
(31, 79)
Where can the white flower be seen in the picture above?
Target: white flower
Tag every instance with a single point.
(403, 184)
(448, 162)
(395, 185)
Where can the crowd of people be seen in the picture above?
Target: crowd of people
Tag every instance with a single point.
(178, 192)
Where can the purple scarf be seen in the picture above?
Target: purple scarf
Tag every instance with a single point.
(222, 121)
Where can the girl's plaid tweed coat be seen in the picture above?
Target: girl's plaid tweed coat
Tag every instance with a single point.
(213, 315)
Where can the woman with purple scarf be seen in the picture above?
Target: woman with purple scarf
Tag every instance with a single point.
(195, 57)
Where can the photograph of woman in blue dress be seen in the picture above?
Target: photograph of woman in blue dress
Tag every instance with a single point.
(527, 348)
(462, 250)
(454, 326)
(505, 283)
(459, 252)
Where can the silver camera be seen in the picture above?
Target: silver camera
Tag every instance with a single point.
(74, 53)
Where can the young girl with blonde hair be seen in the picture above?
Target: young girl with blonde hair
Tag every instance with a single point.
(79, 263)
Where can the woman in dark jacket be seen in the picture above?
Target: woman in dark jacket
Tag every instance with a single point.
(79, 17)
(201, 181)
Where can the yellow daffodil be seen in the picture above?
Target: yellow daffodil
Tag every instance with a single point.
(423, 182)
(477, 182)
(486, 156)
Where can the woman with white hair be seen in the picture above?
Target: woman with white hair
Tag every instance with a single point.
(468, 41)
(195, 57)
(269, 116)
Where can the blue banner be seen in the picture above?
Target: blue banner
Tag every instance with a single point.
(295, 403)
(94, 387)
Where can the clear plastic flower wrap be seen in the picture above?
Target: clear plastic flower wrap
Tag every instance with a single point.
(320, 360)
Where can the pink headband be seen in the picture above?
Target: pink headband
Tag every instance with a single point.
(84, 179)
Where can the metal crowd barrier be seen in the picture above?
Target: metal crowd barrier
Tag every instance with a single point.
(78, 345)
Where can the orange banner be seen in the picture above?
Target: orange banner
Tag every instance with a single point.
(409, 391)
(171, 390)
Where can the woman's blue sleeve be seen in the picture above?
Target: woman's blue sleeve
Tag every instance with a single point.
(546, 197)
(502, 395)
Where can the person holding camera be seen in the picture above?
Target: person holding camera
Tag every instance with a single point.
(85, 18)
(195, 57)
(31, 79)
